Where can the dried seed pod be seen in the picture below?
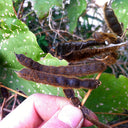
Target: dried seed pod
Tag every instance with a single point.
(72, 70)
(107, 37)
(110, 58)
(88, 52)
(58, 80)
(111, 20)
(69, 93)
(65, 48)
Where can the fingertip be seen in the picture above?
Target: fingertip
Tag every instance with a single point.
(71, 116)
(68, 117)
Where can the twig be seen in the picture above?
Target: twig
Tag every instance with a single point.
(122, 70)
(119, 123)
(61, 31)
(6, 110)
(113, 70)
(98, 76)
(59, 28)
(120, 114)
(73, 35)
(9, 98)
(9, 101)
(89, 91)
(86, 97)
(124, 34)
(14, 91)
(2, 106)
(26, 15)
(20, 9)
(14, 11)
(50, 20)
(14, 103)
(94, 121)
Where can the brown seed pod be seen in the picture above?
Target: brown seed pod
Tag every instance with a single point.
(111, 20)
(69, 93)
(110, 58)
(108, 37)
(58, 80)
(88, 52)
(72, 70)
(65, 48)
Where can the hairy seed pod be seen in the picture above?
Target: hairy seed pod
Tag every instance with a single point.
(110, 58)
(108, 37)
(65, 48)
(88, 52)
(69, 93)
(111, 20)
(72, 70)
(66, 82)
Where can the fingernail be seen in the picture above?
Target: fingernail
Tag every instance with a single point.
(71, 115)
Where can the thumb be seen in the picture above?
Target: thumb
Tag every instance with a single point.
(68, 117)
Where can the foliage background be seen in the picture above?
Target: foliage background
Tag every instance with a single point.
(39, 26)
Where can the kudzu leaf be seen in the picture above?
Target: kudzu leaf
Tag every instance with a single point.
(9, 78)
(111, 96)
(42, 7)
(15, 37)
(75, 9)
(53, 61)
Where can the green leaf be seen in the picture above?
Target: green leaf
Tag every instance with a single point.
(121, 10)
(15, 37)
(42, 7)
(75, 9)
(111, 96)
(9, 78)
(53, 61)
(6, 11)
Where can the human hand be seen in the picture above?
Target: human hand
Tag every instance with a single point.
(45, 111)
